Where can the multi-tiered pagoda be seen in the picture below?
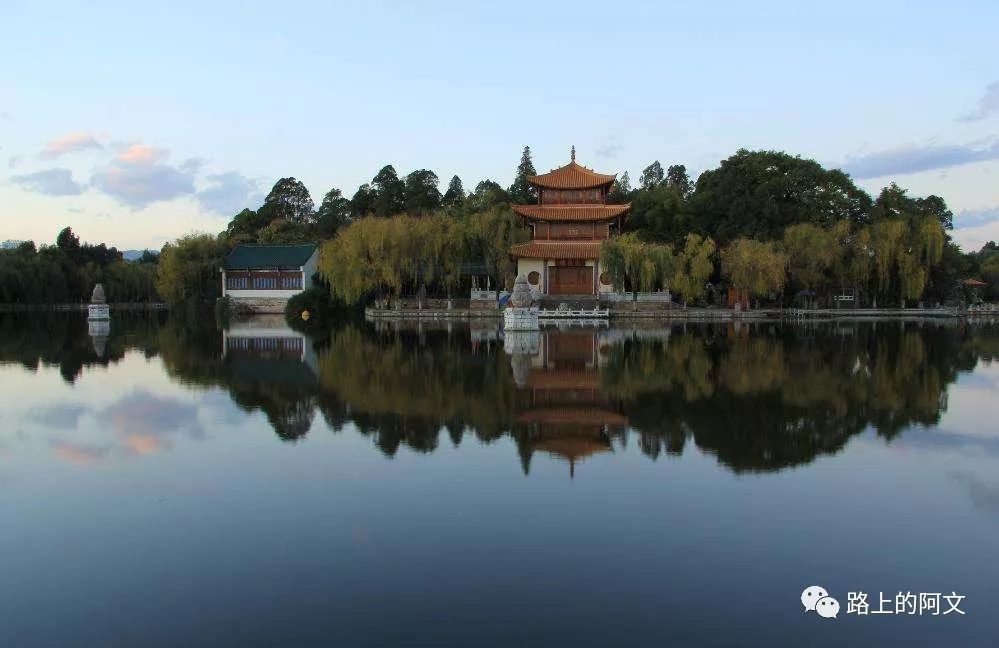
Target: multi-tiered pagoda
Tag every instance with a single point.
(568, 226)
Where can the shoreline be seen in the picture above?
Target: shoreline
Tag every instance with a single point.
(691, 314)
(125, 306)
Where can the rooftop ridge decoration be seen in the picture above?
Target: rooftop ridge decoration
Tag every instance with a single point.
(571, 176)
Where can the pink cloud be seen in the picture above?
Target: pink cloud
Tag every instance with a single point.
(141, 154)
(78, 454)
(69, 143)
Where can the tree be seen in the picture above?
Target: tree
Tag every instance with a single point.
(521, 191)
(754, 267)
(68, 242)
(283, 232)
(652, 176)
(244, 226)
(676, 177)
(188, 269)
(756, 194)
(363, 201)
(422, 194)
(390, 192)
(333, 213)
(693, 267)
(289, 199)
(659, 214)
(621, 191)
(455, 194)
(487, 194)
(811, 251)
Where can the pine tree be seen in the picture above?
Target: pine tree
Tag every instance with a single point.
(455, 194)
(521, 192)
(390, 192)
(652, 176)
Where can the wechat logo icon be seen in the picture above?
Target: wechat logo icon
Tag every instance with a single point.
(816, 599)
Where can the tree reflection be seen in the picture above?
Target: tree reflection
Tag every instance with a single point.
(758, 397)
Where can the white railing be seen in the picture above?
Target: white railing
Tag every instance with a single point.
(659, 297)
(482, 295)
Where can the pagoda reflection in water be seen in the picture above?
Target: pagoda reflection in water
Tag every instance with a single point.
(563, 412)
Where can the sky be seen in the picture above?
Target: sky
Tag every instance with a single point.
(136, 123)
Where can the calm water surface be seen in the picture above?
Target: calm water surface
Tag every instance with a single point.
(166, 483)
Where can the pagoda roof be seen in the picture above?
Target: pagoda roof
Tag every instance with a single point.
(557, 250)
(571, 176)
(572, 449)
(572, 416)
(571, 213)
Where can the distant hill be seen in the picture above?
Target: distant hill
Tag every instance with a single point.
(132, 255)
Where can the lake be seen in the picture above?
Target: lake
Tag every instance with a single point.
(167, 483)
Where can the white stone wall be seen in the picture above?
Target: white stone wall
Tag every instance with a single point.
(310, 268)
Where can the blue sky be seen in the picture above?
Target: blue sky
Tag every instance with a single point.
(137, 122)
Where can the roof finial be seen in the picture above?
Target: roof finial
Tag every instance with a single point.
(572, 153)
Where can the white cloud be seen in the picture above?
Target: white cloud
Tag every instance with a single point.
(229, 193)
(50, 182)
(987, 105)
(915, 158)
(139, 175)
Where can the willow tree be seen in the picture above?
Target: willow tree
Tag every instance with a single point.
(692, 267)
(811, 252)
(635, 264)
(754, 267)
(349, 262)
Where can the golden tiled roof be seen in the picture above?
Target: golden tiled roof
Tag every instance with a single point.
(557, 250)
(571, 213)
(571, 176)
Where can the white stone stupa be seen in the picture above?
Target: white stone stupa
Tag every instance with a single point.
(98, 309)
(521, 314)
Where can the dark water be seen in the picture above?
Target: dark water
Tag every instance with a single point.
(165, 484)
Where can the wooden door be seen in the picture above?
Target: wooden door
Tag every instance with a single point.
(570, 280)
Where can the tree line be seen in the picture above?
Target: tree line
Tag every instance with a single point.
(67, 271)
(766, 223)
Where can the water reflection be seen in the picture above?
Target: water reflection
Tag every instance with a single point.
(758, 397)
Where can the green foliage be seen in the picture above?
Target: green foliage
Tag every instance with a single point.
(387, 256)
(636, 265)
(754, 267)
(693, 267)
(422, 194)
(677, 179)
(521, 191)
(363, 201)
(487, 194)
(290, 200)
(189, 269)
(389, 192)
(321, 307)
(333, 213)
(756, 194)
(67, 272)
(652, 176)
(455, 194)
(621, 191)
(659, 214)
